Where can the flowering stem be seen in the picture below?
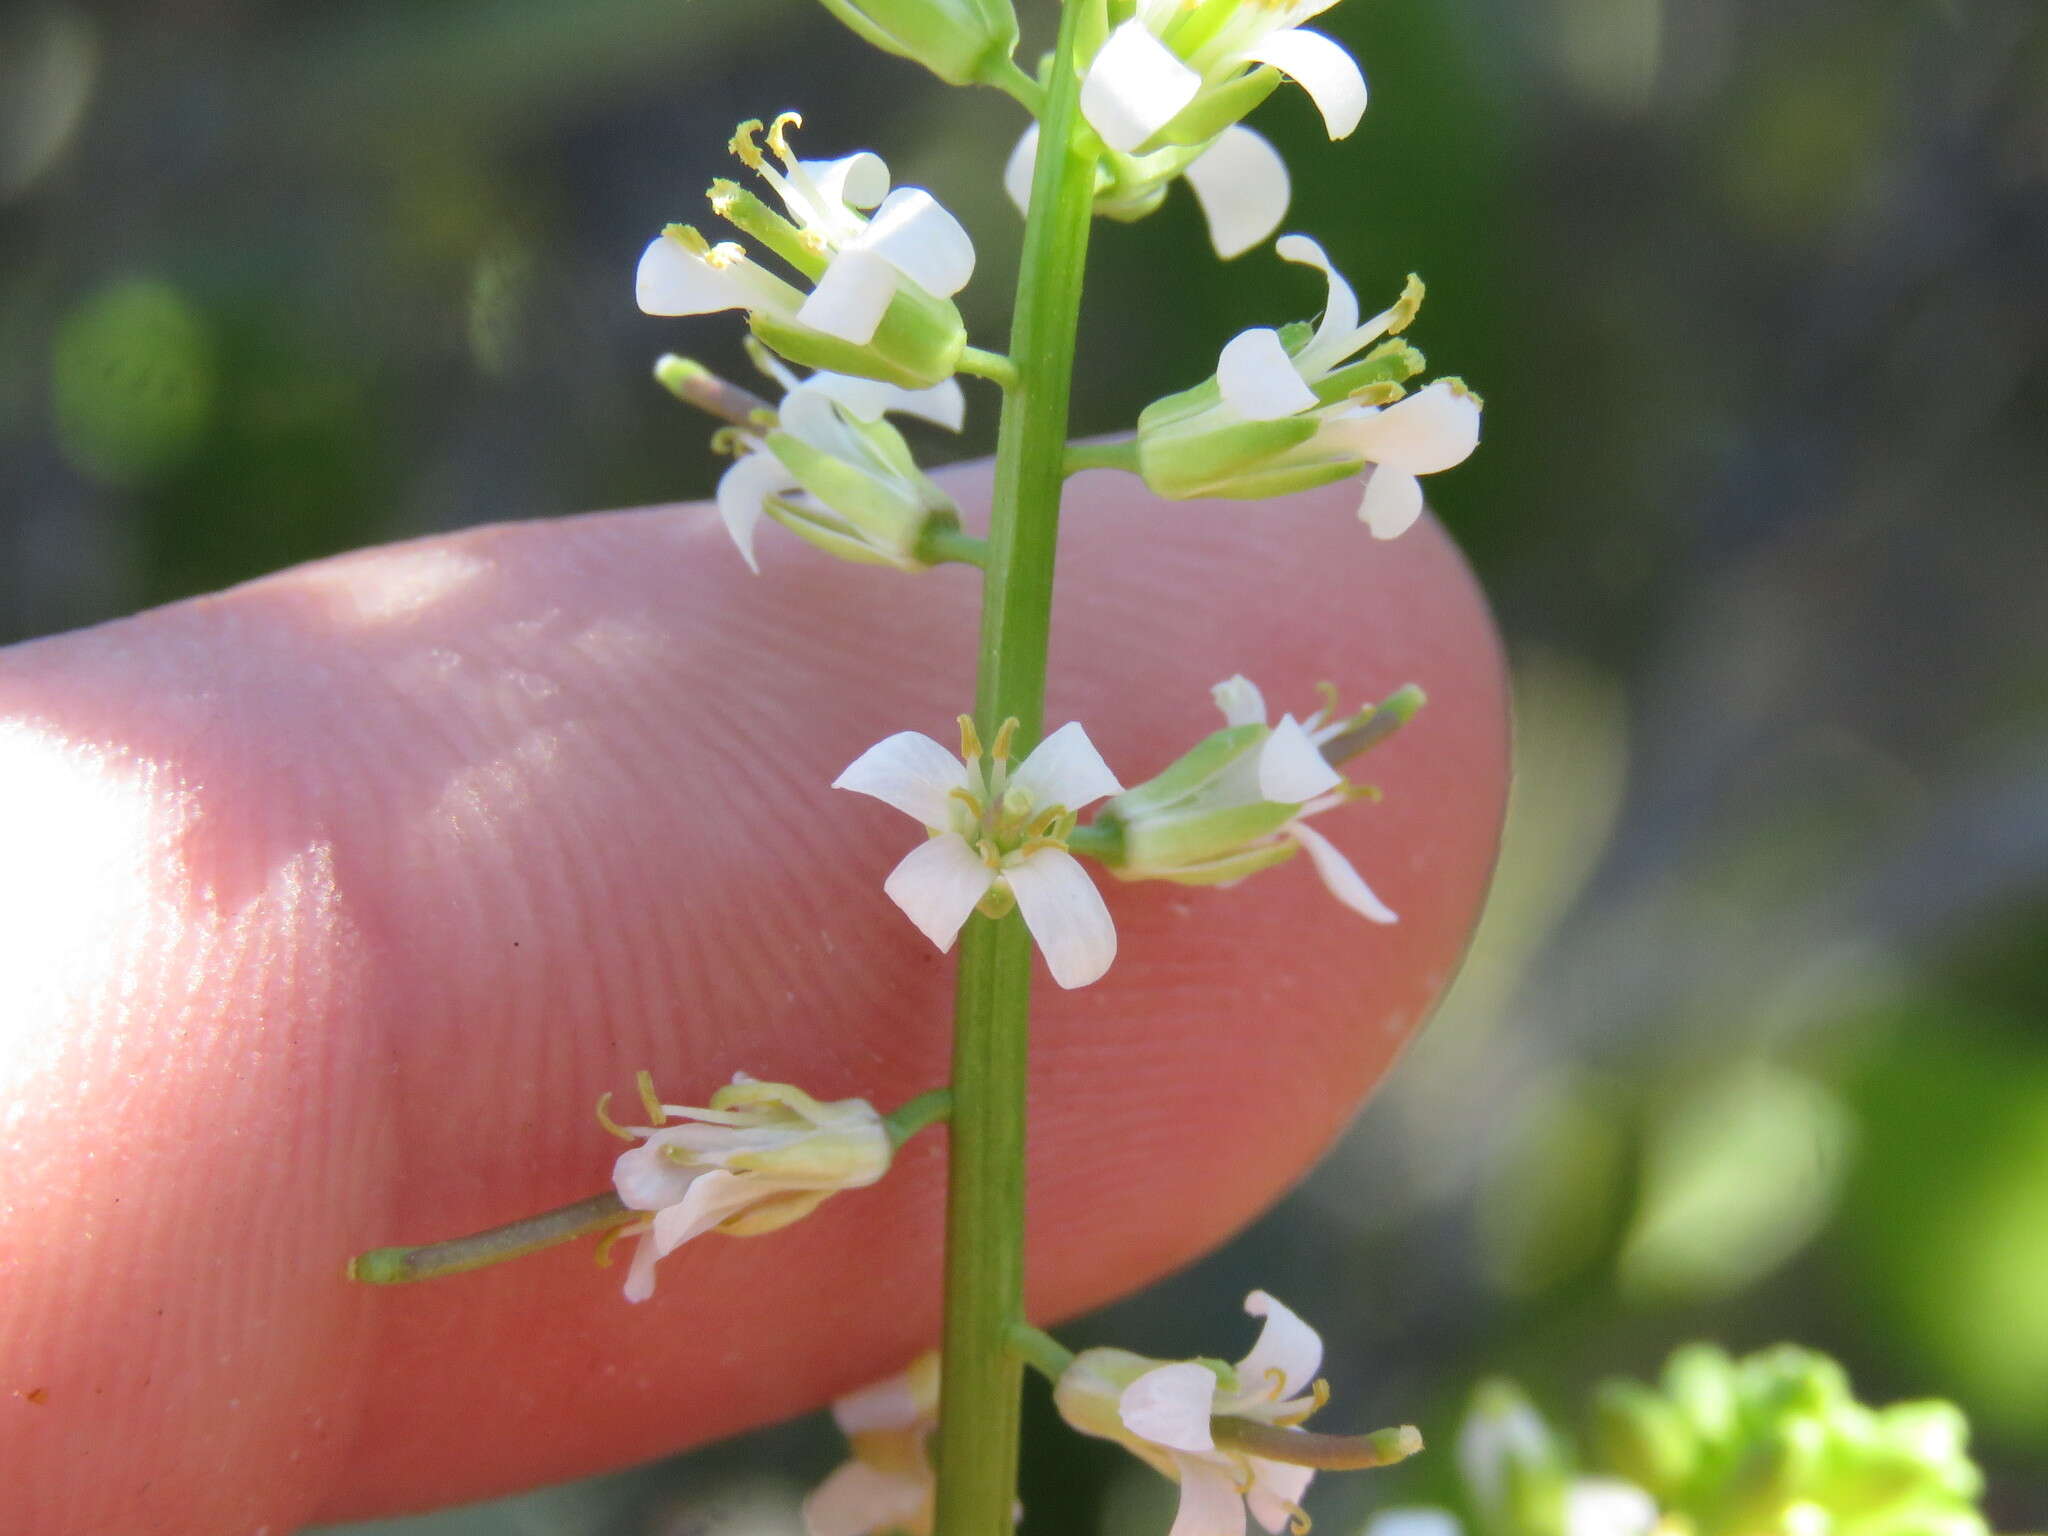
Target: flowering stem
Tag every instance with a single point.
(989, 365)
(514, 1240)
(1041, 1351)
(907, 1119)
(1011, 80)
(1118, 453)
(980, 1386)
(952, 546)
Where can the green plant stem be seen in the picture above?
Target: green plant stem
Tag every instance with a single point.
(980, 1385)
(952, 546)
(1013, 82)
(1121, 453)
(1041, 1351)
(913, 1115)
(989, 365)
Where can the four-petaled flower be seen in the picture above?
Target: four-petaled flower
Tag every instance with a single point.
(1177, 1417)
(1177, 71)
(828, 467)
(996, 836)
(761, 1156)
(881, 305)
(1287, 410)
(888, 1483)
(1240, 802)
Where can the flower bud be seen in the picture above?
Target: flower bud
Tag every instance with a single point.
(963, 42)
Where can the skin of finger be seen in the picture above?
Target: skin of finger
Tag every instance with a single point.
(331, 903)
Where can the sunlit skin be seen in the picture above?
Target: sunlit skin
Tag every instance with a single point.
(331, 904)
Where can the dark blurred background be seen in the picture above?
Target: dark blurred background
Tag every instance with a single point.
(1752, 1044)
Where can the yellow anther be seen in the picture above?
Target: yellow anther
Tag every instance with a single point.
(1407, 306)
(649, 1099)
(778, 136)
(1298, 1521)
(742, 144)
(813, 241)
(990, 854)
(727, 253)
(1385, 392)
(731, 441)
(967, 798)
(1333, 701)
(970, 742)
(721, 195)
(1464, 391)
(1005, 734)
(604, 1118)
(687, 237)
(1034, 844)
(1041, 825)
(1319, 1398)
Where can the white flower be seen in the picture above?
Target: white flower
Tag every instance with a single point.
(1323, 417)
(888, 1484)
(832, 471)
(1172, 59)
(1168, 1413)
(901, 262)
(761, 1156)
(1238, 178)
(996, 837)
(1240, 802)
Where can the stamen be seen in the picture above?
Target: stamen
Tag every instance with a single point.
(990, 854)
(1406, 307)
(778, 137)
(1276, 1383)
(727, 253)
(602, 1256)
(649, 1099)
(1005, 734)
(967, 798)
(687, 237)
(742, 144)
(1319, 1394)
(1034, 844)
(1298, 1522)
(1384, 392)
(970, 744)
(604, 1118)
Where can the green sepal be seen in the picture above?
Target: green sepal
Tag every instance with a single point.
(1197, 462)
(1162, 844)
(831, 538)
(1284, 480)
(1170, 409)
(1221, 871)
(918, 344)
(961, 43)
(1190, 771)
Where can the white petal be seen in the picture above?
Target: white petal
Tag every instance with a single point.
(1240, 700)
(851, 297)
(1320, 66)
(711, 1198)
(1257, 377)
(858, 180)
(1391, 503)
(672, 280)
(1020, 167)
(640, 1277)
(889, 1404)
(911, 772)
(1241, 183)
(1135, 87)
(1432, 430)
(1286, 1345)
(1276, 1491)
(648, 1181)
(743, 492)
(943, 405)
(1292, 769)
(857, 1499)
(1339, 877)
(1414, 1520)
(1170, 1406)
(937, 885)
(917, 237)
(1607, 1506)
(1210, 1504)
(1332, 342)
(1065, 769)
(1065, 914)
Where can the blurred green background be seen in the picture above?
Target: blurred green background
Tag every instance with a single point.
(1752, 1044)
